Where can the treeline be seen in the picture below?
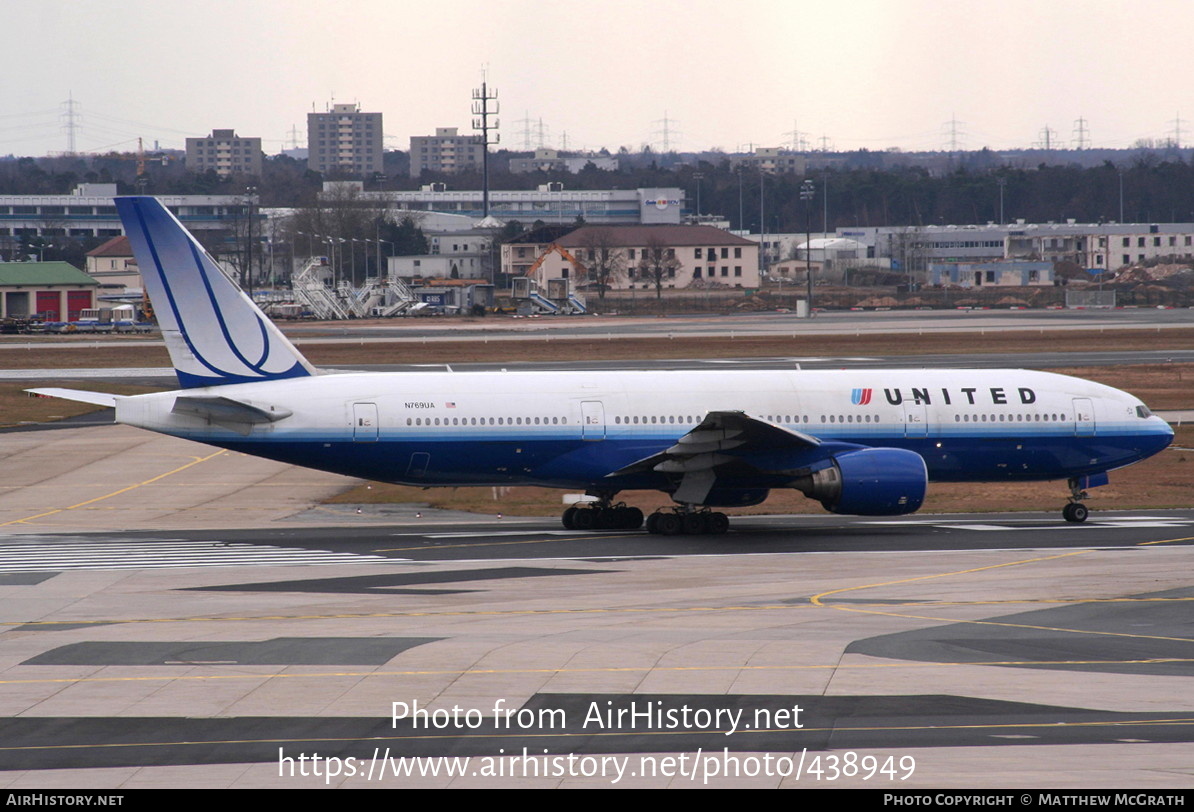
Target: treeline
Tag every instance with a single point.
(1150, 187)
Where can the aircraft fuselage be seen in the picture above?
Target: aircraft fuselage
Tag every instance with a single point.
(571, 429)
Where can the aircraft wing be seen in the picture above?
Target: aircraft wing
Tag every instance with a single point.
(723, 440)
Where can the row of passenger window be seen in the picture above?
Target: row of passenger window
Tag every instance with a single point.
(1011, 418)
(670, 418)
(786, 419)
(482, 421)
(689, 419)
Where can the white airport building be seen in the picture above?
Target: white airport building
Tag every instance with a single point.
(550, 203)
(90, 211)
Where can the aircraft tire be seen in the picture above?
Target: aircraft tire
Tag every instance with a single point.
(1075, 512)
(668, 524)
(693, 524)
(630, 518)
(653, 524)
(569, 518)
(584, 519)
(717, 524)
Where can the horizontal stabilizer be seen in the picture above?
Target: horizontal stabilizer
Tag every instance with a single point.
(78, 395)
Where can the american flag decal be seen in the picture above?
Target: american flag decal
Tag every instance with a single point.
(451, 404)
(860, 397)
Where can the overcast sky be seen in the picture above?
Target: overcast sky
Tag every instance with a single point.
(860, 73)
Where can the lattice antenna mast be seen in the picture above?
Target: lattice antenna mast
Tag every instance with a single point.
(485, 110)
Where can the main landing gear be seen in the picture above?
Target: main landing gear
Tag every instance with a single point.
(603, 516)
(688, 522)
(1075, 511)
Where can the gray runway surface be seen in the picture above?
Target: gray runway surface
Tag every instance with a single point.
(247, 634)
(162, 376)
(178, 616)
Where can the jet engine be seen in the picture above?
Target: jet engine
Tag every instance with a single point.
(869, 482)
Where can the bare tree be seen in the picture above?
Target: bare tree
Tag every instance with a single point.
(658, 264)
(910, 247)
(604, 261)
(340, 223)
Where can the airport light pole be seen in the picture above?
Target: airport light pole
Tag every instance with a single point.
(741, 226)
(250, 192)
(762, 228)
(384, 274)
(807, 191)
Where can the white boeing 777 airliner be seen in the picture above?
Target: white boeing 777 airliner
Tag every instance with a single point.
(860, 442)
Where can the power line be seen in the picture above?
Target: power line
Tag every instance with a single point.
(953, 135)
(1176, 130)
(668, 132)
(1045, 138)
(70, 113)
(1081, 134)
(797, 139)
(526, 132)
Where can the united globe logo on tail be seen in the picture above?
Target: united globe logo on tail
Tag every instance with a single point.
(860, 397)
(213, 331)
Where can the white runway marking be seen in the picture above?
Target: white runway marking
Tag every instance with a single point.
(501, 533)
(39, 554)
(1038, 524)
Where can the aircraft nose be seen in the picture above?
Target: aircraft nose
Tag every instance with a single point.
(1160, 435)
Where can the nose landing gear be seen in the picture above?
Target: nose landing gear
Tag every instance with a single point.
(1075, 511)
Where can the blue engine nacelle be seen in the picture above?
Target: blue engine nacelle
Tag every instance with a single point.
(870, 482)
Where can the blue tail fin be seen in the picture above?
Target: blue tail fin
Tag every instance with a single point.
(214, 332)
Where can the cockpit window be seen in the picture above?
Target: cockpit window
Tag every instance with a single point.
(1142, 411)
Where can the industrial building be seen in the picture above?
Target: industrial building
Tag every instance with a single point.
(50, 291)
(1093, 246)
(1007, 273)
